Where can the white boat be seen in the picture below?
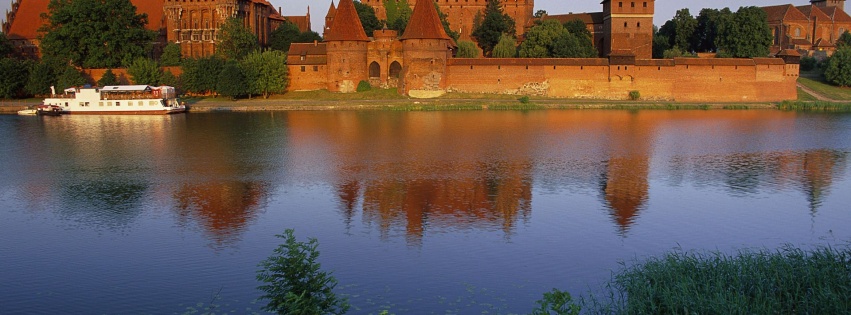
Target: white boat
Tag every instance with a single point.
(27, 112)
(118, 99)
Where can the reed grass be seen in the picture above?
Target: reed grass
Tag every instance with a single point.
(786, 281)
(814, 106)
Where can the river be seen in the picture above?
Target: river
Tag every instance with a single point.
(415, 212)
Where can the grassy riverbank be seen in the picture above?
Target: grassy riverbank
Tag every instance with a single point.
(786, 281)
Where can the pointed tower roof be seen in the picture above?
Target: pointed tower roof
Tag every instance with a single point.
(424, 23)
(332, 11)
(346, 26)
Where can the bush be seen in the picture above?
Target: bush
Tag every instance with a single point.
(524, 99)
(108, 78)
(467, 49)
(556, 302)
(363, 86)
(808, 63)
(634, 95)
(838, 69)
(294, 283)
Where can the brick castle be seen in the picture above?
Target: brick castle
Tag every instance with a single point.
(420, 62)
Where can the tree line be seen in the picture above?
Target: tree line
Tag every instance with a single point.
(741, 34)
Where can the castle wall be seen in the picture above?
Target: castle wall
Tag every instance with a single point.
(425, 64)
(713, 80)
(307, 77)
(347, 65)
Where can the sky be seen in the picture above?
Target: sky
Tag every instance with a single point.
(665, 9)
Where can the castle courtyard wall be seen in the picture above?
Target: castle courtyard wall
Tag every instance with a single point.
(682, 79)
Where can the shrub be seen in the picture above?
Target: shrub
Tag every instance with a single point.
(634, 95)
(556, 302)
(363, 86)
(108, 78)
(467, 49)
(524, 99)
(294, 283)
(838, 69)
(808, 63)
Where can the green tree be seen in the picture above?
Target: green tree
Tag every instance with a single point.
(844, 40)
(5, 46)
(467, 49)
(171, 55)
(838, 69)
(506, 47)
(13, 78)
(550, 39)
(232, 82)
(283, 36)
(493, 24)
(108, 78)
(95, 33)
(266, 73)
(540, 13)
(235, 41)
(682, 32)
(578, 28)
(308, 37)
(708, 24)
(42, 76)
(293, 280)
(366, 14)
(200, 75)
(745, 34)
(70, 77)
(661, 43)
(145, 71)
(398, 14)
(169, 79)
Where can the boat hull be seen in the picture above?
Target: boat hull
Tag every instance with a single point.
(126, 112)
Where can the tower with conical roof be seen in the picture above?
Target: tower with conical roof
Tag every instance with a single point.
(329, 19)
(426, 49)
(346, 45)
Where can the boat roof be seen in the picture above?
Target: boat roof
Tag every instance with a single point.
(125, 88)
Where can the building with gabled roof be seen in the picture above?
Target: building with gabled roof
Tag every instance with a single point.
(811, 29)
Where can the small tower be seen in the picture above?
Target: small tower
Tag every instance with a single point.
(329, 19)
(425, 49)
(829, 3)
(628, 27)
(346, 47)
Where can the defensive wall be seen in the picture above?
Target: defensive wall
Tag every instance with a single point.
(680, 79)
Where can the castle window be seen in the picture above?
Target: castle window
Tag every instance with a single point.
(632, 4)
(797, 32)
(645, 4)
(302, 68)
(620, 4)
(315, 68)
(638, 24)
(625, 24)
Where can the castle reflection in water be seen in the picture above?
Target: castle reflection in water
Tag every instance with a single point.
(419, 173)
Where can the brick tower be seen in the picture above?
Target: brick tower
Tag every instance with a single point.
(829, 3)
(628, 25)
(426, 48)
(329, 19)
(346, 45)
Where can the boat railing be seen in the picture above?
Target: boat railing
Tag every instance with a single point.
(128, 96)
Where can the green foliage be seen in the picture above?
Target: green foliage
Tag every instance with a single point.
(5, 46)
(108, 78)
(308, 37)
(235, 41)
(787, 281)
(494, 23)
(70, 77)
(398, 14)
(364, 86)
(676, 53)
(844, 40)
(540, 13)
(95, 33)
(680, 30)
(550, 39)
(144, 71)
(170, 79)
(467, 49)
(232, 82)
(266, 72)
(660, 43)
(578, 29)
(524, 99)
(556, 302)
(171, 55)
(808, 63)
(282, 37)
(634, 95)
(838, 69)
(745, 34)
(200, 75)
(366, 14)
(42, 76)
(709, 22)
(294, 282)
(505, 48)
(13, 78)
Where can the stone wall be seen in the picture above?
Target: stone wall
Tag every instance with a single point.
(347, 65)
(307, 77)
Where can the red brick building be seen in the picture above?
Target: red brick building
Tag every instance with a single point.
(192, 24)
(811, 29)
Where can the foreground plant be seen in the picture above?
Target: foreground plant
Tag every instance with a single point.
(294, 281)
(557, 302)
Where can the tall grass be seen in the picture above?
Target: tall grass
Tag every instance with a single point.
(814, 106)
(786, 281)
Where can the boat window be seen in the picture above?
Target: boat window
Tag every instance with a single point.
(141, 103)
(108, 103)
(100, 103)
(152, 103)
(66, 104)
(117, 103)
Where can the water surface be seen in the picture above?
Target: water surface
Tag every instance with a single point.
(424, 212)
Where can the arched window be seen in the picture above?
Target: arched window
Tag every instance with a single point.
(797, 32)
(374, 70)
(395, 69)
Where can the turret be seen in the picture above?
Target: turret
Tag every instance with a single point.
(346, 50)
(329, 19)
(629, 27)
(426, 48)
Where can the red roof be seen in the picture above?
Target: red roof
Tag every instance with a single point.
(813, 11)
(587, 18)
(424, 23)
(784, 12)
(332, 11)
(346, 26)
(303, 22)
(836, 14)
(27, 18)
